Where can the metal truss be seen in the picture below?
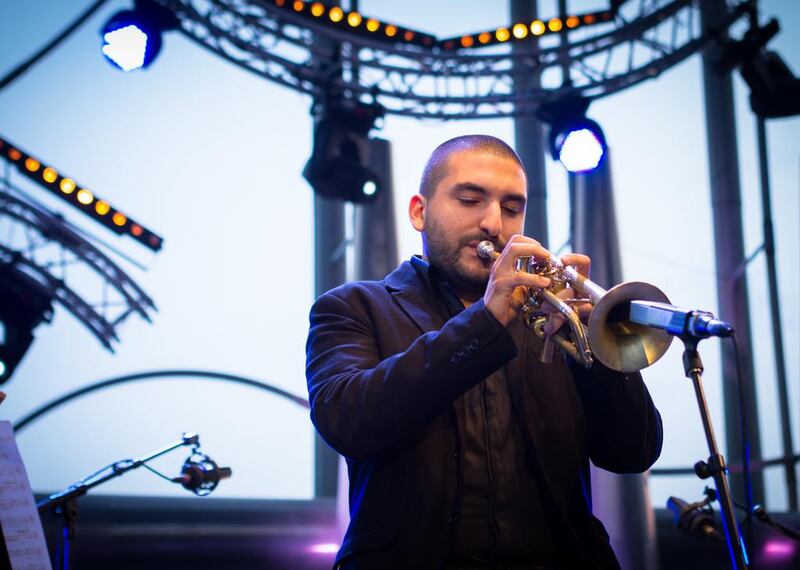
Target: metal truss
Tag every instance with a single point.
(62, 264)
(645, 38)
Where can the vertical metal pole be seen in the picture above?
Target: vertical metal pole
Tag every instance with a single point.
(775, 314)
(529, 132)
(622, 502)
(729, 248)
(329, 272)
(375, 237)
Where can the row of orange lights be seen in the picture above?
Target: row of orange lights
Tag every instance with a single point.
(518, 31)
(521, 31)
(84, 196)
(67, 186)
(354, 19)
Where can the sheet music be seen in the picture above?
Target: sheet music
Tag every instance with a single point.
(19, 519)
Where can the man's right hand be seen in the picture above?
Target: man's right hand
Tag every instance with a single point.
(507, 292)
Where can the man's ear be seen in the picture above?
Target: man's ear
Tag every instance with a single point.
(416, 211)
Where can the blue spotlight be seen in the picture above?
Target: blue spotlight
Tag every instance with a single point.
(132, 38)
(580, 147)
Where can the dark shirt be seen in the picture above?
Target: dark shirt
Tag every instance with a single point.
(502, 519)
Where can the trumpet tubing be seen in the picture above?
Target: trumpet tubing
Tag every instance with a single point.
(610, 335)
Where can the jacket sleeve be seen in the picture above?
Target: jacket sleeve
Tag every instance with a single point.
(623, 426)
(361, 403)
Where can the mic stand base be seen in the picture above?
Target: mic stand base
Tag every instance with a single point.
(715, 465)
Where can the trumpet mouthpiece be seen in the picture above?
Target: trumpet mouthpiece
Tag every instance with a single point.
(486, 250)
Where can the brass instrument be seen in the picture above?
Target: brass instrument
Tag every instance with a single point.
(610, 336)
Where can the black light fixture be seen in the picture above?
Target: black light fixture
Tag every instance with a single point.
(24, 305)
(339, 163)
(774, 89)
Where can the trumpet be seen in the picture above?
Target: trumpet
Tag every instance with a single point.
(610, 335)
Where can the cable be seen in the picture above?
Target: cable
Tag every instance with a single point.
(42, 410)
(748, 488)
(25, 65)
(157, 472)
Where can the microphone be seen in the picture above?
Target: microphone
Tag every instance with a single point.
(201, 475)
(693, 520)
(677, 321)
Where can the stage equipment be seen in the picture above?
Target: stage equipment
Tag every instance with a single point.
(696, 519)
(339, 163)
(611, 336)
(65, 503)
(78, 196)
(278, 40)
(200, 474)
(46, 259)
(714, 466)
(575, 140)
(774, 89)
(24, 304)
(132, 38)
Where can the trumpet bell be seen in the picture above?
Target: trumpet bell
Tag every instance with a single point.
(616, 341)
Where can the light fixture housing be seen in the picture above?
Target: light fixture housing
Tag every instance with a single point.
(24, 304)
(339, 163)
(132, 38)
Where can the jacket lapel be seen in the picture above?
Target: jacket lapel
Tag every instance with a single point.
(416, 301)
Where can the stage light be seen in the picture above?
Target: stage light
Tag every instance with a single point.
(32, 164)
(354, 19)
(317, 9)
(24, 305)
(132, 38)
(537, 27)
(67, 185)
(502, 34)
(85, 197)
(520, 31)
(65, 188)
(554, 25)
(339, 163)
(373, 25)
(49, 175)
(102, 207)
(581, 148)
(336, 14)
(576, 141)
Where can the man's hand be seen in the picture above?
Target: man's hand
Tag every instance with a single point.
(507, 291)
(583, 264)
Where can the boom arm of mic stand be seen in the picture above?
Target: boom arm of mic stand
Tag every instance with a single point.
(121, 467)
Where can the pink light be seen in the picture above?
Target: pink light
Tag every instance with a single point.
(778, 549)
(324, 548)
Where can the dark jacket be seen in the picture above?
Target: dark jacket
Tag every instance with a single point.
(383, 369)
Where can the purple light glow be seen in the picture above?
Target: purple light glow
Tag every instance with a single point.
(324, 548)
(776, 549)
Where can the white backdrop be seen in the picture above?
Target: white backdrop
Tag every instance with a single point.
(210, 157)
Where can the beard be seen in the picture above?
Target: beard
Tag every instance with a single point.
(447, 253)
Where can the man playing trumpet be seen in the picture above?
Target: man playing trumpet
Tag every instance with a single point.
(464, 450)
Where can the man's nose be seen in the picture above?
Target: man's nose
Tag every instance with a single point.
(492, 221)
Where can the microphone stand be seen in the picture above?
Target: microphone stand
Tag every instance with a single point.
(65, 503)
(715, 465)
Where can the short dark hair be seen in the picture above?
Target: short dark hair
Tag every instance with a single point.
(436, 167)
